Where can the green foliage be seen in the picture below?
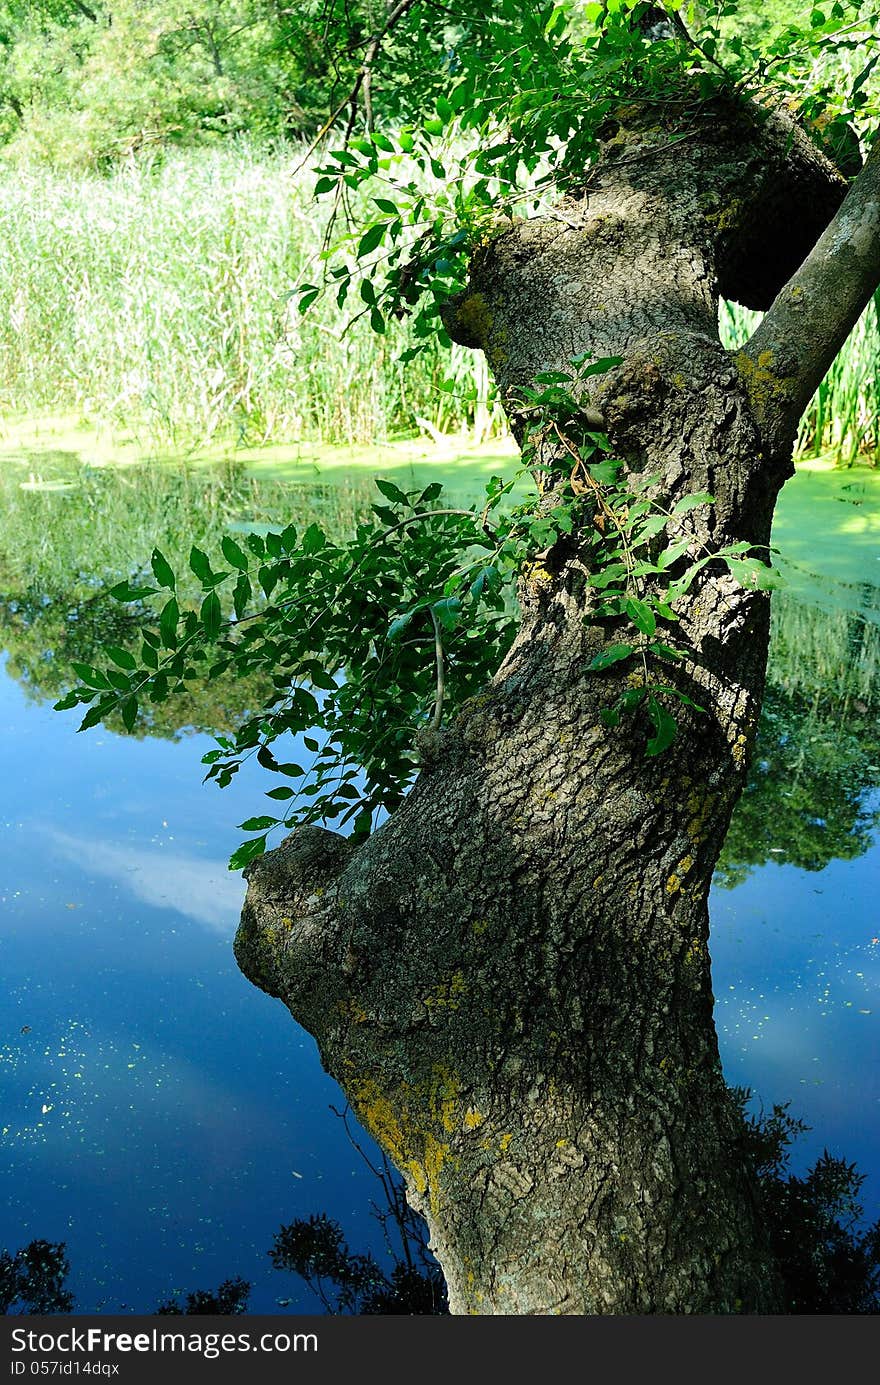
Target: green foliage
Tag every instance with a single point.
(320, 622)
(78, 89)
(562, 78)
(367, 641)
(156, 302)
(642, 557)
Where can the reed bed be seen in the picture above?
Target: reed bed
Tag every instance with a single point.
(158, 300)
(843, 417)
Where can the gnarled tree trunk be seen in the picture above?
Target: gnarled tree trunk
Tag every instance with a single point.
(511, 977)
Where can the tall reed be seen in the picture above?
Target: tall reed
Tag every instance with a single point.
(158, 299)
(843, 417)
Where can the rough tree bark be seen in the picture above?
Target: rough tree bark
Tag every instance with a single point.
(511, 977)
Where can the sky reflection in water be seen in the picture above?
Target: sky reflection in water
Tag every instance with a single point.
(163, 1117)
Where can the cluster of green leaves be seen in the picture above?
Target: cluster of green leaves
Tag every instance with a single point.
(511, 114)
(90, 82)
(642, 560)
(820, 61)
(360, 643)
(519, 103)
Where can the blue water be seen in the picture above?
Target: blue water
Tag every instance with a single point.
(160, 1115)
(163, 1118)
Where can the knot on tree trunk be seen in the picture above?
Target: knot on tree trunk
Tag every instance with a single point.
(287, 918)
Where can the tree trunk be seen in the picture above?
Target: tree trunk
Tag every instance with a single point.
(511, 977)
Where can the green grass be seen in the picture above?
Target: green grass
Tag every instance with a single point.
(156, 304)
(842, 420)
(152, 309)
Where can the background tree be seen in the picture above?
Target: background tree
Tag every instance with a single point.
(32, 1279)
(95, 83)
(510, 976)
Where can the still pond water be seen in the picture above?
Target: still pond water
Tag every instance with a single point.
(164, 1118)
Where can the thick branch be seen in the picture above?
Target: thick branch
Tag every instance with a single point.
(788, 355)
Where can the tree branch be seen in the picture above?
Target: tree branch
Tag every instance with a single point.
(364, 80)
(787, 356)
(86, 10)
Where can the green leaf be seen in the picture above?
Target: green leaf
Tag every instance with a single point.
(241, 596)
(665, 651)
(691, 502)
(168, 623)
(751, 572)
(320, 678)
(611, 654)
(201, 565)
(431, 493)
(211, 616)
(447, 611)
(269, 578)
(96, 714)
(392, 492)
(665, 728)
(372, 237)
(313, 540)
(552, 377)
(120, 656)
(233, 554)
(672, 554)
(124, 591)
(609, 715)
(257, 824)
(162, 570)
(599, 367)
(92, 677)
(129, 711)
(248, 851)
(281, 792)
(641, 615)
(398, 625)
(605, 473)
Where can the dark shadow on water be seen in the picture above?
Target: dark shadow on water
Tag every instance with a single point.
(828, 1260)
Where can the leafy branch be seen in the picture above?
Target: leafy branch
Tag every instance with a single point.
(363, 643)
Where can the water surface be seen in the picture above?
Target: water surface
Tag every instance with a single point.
(160, 1115)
